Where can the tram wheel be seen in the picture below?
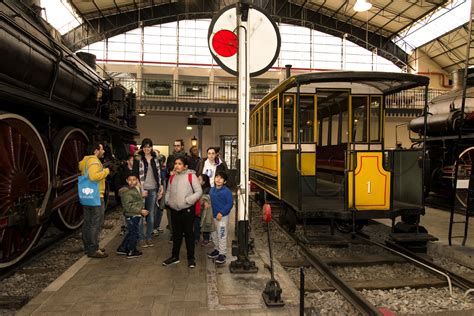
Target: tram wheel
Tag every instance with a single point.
(345, 226)
(24, 182)
(464, 173)
(70, 146)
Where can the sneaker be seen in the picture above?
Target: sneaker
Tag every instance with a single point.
(170, 260)
(220, 259)
(160, 230)
(101, 249)
(121, 251)
(192, 263)
(155, 232)
(149, 243)
(143, 244)
(98, 254)
(213, 254)
(134, 254)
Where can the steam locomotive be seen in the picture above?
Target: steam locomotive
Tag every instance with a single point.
(52, 104)
(442, 146)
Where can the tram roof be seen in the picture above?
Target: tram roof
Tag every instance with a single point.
(386, 82)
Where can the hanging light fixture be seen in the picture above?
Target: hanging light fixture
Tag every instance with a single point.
(362, 5)
(194, 141)
(141, 113)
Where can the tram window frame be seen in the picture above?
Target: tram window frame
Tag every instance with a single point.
(311, 138)
(283, 116)
(274, 120)
(365, 120)
(378, 132)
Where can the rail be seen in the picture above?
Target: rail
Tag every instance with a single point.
(225, 92)
(348, 292)
(451, 277)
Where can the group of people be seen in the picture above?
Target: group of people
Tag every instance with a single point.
(193, 191)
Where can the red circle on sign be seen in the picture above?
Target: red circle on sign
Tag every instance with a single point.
(225, 43)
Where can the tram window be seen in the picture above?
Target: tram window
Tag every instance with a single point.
(324, 134)
(251, 130)
(274, 120)
(307, 118)
(264, 124)
(359, 118)
(343, 130)
(288, 115)
(375, 106)
(258, 127)
(335, 130)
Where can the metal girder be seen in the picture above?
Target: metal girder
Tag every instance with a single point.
(99, 28)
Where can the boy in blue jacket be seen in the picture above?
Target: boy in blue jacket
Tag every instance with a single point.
(222, 202)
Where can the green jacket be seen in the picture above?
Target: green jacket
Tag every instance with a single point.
(132, 201)
(207, 222)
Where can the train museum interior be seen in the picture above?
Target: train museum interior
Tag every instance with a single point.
(236, 157)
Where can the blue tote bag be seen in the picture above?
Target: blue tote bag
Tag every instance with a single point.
(88, 190)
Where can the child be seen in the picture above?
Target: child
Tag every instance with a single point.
(206, 221)
(222, 202)
(183, 192)
(132, 203)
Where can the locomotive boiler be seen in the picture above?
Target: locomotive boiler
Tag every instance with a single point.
(443, 123)
(52, 104)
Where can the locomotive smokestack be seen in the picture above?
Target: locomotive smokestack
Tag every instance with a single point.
(457, 78)
(288, 71)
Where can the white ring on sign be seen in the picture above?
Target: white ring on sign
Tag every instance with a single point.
(264, 40)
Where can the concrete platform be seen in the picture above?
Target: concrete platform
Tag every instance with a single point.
(142, 286)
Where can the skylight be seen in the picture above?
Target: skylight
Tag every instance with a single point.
(447, 18)
(60, 15)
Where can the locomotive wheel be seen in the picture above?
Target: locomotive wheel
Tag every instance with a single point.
(24, 182)
(464, 172)
(70, 146)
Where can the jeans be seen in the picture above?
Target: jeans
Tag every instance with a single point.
(93, 221)
(150, 202)
(183, 222)
(130, 240)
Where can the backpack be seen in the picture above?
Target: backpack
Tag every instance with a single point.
(197, 205)
(88, 191)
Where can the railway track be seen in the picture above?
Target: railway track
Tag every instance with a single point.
(393, 255)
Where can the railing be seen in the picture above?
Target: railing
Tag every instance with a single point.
(195, 91)
(226, 92)
(411, 99)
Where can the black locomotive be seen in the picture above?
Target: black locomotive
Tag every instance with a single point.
(52, 104)
(443, 147)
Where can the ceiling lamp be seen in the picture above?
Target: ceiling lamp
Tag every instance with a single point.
(362, 5)
(141, 113)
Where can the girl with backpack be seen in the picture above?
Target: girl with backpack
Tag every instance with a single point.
(181, 196)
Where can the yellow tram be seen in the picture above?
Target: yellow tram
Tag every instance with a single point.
(317, 145)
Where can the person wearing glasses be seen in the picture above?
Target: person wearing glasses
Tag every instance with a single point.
(147, 169)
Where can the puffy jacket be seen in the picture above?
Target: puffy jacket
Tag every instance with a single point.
(180, 195)
(96, 171)
(132, 201)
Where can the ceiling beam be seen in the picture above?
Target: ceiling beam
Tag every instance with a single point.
(171, 12)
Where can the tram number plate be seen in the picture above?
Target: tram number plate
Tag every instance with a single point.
(462, 184)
